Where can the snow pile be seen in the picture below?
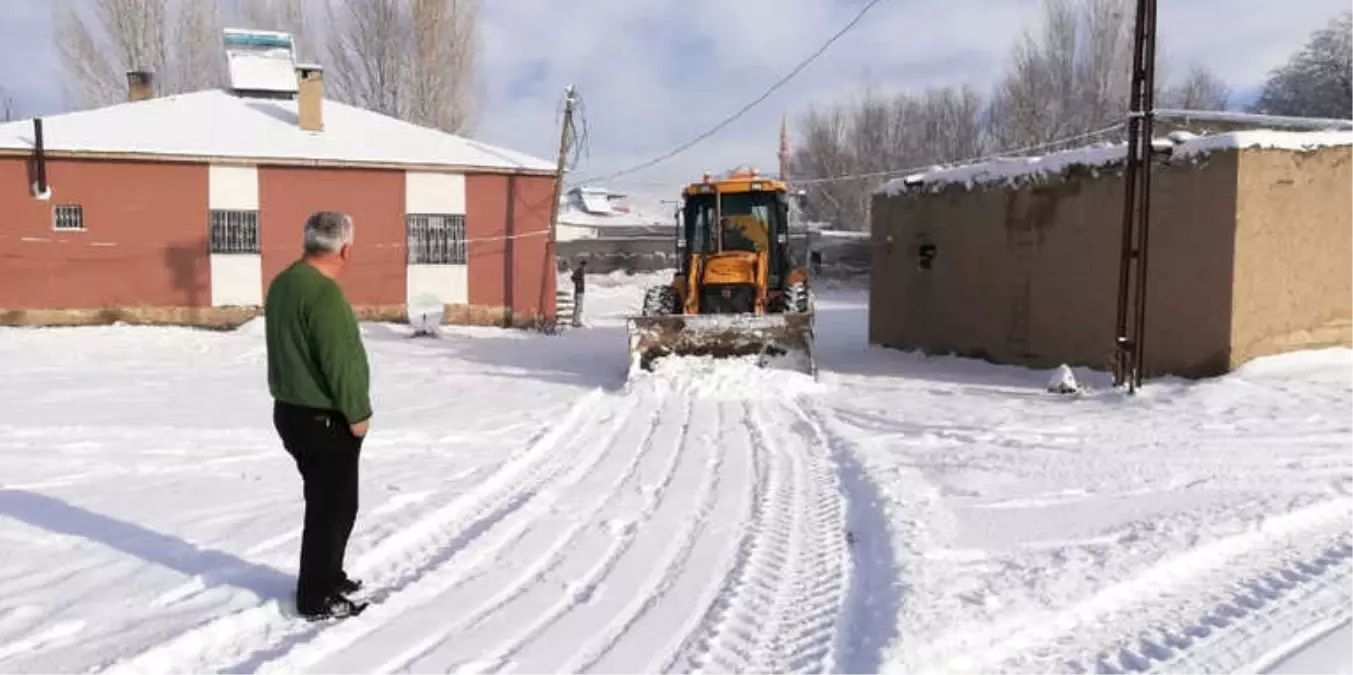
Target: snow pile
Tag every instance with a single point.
(1063, 381)
(739, 378)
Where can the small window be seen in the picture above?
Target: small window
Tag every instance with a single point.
(68, 217)
(234, 231)
(435, 239)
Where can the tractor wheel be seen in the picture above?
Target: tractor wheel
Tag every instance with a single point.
(799, 298)
(661, 301)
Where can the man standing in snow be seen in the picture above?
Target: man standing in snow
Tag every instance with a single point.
(319, 380)
(578, 284)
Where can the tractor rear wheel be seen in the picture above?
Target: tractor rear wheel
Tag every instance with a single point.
(798, 298)
(661, 301)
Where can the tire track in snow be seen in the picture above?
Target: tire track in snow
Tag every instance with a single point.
(737, 447)
(373, 527)
(670, 566)
(429, 600)
(582, 591)
(782, 604)
(256, 632)
(1256, 621)
(1200, 610)
(49, 635)
(873, 603)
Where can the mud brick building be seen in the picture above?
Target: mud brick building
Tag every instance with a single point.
(1017, 261)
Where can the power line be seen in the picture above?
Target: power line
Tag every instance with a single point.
(745, 109)
(892, 172)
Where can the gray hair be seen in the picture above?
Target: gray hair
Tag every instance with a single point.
(326, 232)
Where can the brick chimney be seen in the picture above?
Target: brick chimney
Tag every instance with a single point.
(310, 97)
(139, 85)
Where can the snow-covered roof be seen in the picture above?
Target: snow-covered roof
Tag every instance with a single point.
(571, 215)
(589, 206)
(217, 124)
(1181, 145)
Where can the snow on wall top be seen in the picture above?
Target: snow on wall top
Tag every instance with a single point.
(214, 123)
(1007, 170)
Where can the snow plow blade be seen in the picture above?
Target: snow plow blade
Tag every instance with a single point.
(783, 341)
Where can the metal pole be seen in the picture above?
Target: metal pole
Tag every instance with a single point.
(1127, 363)
(1143, 237)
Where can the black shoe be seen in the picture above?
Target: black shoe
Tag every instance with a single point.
(348, 585)
(336, 607)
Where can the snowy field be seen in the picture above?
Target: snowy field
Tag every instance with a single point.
(526, 508)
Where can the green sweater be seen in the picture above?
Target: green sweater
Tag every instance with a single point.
(315, 352)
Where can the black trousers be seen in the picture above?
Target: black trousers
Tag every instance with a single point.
(326, 453)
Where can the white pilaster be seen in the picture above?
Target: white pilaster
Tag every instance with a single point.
(436, 193)
(236, 278)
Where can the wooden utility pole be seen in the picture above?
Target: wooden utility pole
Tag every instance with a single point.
(784, 148)
(565, 139)
(1129, 359)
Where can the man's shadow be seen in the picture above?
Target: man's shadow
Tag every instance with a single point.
(215, 568)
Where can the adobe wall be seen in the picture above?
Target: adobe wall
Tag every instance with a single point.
(514, 273)
(144, 242)
(1029, 275)
(1294, 252)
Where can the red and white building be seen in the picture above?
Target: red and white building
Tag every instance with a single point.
(198, 201)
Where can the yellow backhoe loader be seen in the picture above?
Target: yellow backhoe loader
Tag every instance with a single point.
(737, 291)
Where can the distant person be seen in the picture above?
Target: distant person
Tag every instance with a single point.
(319, 380)
(579, 284)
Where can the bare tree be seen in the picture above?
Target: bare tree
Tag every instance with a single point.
(1199, 90)
(1069, 77)
(198, 58)
(97, 46)
(823, 151)
(446, 38)
(1072, 77)
(858, 143)
(1318, 80)
(414, 59)
(6, 106)
(99, 41)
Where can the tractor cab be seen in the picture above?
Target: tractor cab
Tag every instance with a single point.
(733, 241)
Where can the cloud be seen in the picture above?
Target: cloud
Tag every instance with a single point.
(28, 68)
(654, 74)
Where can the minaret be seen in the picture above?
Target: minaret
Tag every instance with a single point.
(784, 147)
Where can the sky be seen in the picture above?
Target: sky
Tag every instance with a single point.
(652, 74)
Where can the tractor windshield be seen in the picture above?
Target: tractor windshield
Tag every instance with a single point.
(741, 221)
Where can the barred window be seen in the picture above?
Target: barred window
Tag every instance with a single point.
(234, 231)
(68, 217)
(435, 239)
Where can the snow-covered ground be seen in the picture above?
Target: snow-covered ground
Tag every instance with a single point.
(526, 507)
